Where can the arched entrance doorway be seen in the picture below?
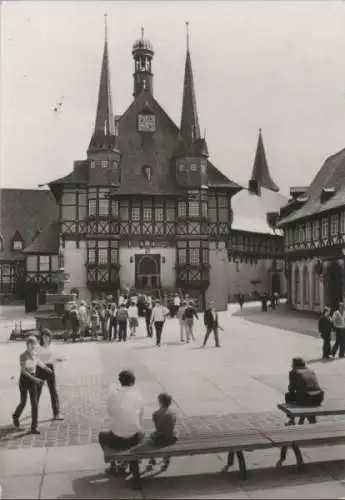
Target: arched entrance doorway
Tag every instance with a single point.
(147, 271)
(334, 286)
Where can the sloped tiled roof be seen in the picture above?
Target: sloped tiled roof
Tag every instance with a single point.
(250, 210)
(331, 175)
(47, 242)
(25, 211)
(261, 173)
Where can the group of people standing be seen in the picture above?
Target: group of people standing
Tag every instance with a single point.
(116, 321)
(333, 322)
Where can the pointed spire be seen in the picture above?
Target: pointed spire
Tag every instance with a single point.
(105, 124)
(260, 173)
(190, 129)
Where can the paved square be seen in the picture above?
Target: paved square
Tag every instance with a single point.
(237, 386)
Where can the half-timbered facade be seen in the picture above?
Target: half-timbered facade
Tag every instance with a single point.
(147, 208)
(314, 238)
(24, 213)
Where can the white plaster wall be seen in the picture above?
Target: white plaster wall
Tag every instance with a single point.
(218, 289)
(74, 261)
(127, 270)
(240, 276)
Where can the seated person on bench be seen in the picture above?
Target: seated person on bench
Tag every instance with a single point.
(165, 420)
(126, 409)
(304, 388)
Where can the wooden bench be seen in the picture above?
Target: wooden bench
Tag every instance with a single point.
(302, 412)
(234, 443)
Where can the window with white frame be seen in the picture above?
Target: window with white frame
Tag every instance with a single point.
(342, 222)
(44, 263)
(324, 227)
(17, 245)
(159, 214)
(103, 207)
(115, 208)
(135, 214)
(181, 209)
(147, 214)
(194, 208)
(316, 230)
(104, 163)
(296, 234)
(334, 225)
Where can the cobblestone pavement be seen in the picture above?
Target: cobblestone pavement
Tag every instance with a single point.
(215, 390)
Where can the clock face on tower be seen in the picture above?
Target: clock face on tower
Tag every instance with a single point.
(146, 123)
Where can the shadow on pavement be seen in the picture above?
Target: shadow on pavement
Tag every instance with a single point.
(99, 486)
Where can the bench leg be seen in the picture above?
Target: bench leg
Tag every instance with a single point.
(301, 420)
(229, 462)
(242, 464)
(135, 470)
(283, 454)
(299, 457)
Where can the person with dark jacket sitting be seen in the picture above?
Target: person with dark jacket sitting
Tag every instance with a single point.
(304, 388)
(325, 329)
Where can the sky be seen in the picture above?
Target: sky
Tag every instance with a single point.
(277, 65)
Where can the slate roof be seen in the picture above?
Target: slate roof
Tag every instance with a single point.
(24, 211)
(156, 150)
(47, 242)
(250, 210)
(331, 175)
(261, 173)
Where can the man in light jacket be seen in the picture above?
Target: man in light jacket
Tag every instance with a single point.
(182, 322)
(159, 313)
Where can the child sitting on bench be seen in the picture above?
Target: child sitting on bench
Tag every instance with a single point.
(165, 420)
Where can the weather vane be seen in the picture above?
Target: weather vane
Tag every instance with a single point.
(187, 33)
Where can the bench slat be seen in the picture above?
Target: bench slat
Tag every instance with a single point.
(196, 446)
(300, 411)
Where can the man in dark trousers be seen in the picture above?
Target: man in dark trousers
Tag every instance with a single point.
(211, 323)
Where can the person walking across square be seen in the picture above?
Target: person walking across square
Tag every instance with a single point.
(159, 314)
(211, 323)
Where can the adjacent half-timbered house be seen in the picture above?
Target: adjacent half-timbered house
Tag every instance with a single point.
(314, 238)
(24, 213)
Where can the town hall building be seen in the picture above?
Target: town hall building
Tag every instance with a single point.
(147, 209)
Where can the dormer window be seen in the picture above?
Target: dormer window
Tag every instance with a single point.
(326, 194)
(104, 163)
(17, 245)
(17, 242)
(181, 167)
(193, 167)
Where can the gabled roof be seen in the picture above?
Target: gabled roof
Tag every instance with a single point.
(261, 173)
(331, 175)
(22, 211)
(47, 242)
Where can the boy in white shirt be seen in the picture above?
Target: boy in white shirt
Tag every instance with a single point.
(126, 409)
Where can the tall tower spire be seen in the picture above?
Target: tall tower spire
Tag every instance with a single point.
(190, 129)
(104, 132)
(142, 53)
(261, 176)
